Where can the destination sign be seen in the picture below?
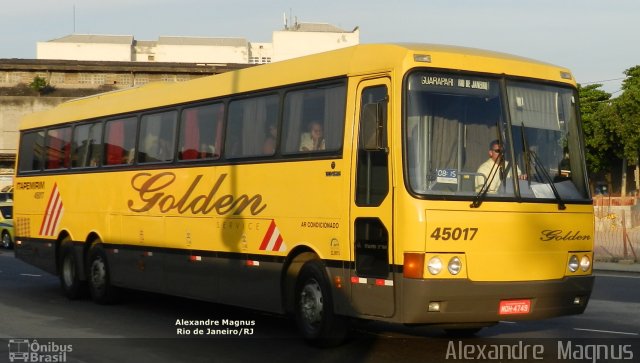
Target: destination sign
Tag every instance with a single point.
(455, 84)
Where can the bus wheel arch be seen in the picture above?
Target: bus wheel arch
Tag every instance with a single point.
(292, 266)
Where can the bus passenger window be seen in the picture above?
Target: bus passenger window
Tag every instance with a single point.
(248, 120)
(200, 132)
(120, 136)
(157, 137)
(87, 145)
(58, 146)
(314, 119)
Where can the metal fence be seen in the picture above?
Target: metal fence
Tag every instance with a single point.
(617, 229)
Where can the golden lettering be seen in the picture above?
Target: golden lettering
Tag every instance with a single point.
(151, 194)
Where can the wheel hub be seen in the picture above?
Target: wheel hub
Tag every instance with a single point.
(311, 302)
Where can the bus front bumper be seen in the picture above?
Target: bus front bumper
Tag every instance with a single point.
(464, 301)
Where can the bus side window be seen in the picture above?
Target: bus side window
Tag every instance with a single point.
(58, 146)
(248, 120)
(309, 111)
(157, 137)
(200, 129)
(120, 136)
(87, 145)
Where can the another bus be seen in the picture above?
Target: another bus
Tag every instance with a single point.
(339, 185)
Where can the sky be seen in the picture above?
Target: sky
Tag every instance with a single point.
(596, 39)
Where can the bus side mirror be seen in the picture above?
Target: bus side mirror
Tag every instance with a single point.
(372, 127)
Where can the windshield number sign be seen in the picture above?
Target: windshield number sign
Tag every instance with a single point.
(455, 234)
(447, 176)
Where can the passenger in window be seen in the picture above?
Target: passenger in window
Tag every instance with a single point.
(207, 151)
(314, 139)
(269, 146)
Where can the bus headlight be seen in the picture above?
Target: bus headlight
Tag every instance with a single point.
(434, 265)
(573, 263)
(585, 263)
(455, 265)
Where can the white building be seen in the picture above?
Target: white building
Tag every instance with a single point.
(85, 47)
(309, 38)
(291, 42)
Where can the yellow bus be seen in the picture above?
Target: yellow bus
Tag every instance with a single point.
(347, 184)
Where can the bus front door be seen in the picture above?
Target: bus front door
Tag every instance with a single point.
(372, 283)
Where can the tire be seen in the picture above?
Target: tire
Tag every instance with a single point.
(6, 240)
(98, 275)
(70, 283)
(314, 313)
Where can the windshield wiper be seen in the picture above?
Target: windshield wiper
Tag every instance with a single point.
(532, 158)
(541, 170)
(488, 180)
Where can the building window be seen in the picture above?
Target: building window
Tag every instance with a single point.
(125, 79)
(57, 78)
(259, 60)
(140, 79)
(92, 78)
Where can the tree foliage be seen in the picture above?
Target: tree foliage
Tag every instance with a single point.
(599, 136)
(611, 126)
(40, 85)
(625, 115)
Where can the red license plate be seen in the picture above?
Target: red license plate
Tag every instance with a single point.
(512, 307)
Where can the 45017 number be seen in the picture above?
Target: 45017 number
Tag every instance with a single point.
(449, 233)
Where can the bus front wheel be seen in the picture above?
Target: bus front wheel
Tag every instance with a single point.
(314, 312)
(100, 286)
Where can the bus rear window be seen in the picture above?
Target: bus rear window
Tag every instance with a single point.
(31, 151)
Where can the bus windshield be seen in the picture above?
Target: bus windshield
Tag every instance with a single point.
(468, 137)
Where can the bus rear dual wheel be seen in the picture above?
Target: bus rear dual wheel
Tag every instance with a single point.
(99, 276)
(98, 281)
(72, 287)
(314, 312)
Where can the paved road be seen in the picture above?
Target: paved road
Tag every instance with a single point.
(144, 328)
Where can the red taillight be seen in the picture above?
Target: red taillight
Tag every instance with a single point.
(413, 265)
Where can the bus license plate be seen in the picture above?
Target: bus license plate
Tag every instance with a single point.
(512, 307)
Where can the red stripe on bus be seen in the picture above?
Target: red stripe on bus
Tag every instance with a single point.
(267, 237)
(46, 210)
(278, 243)
(58, 211)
